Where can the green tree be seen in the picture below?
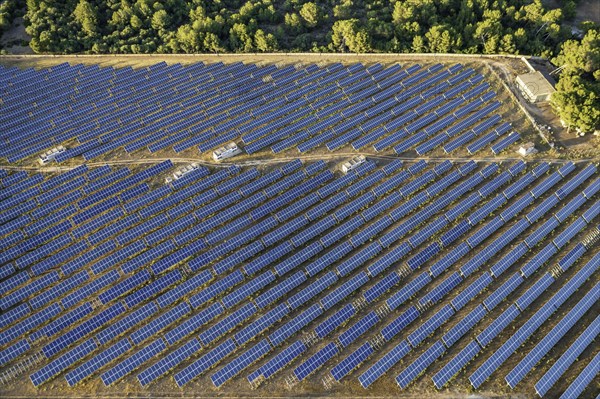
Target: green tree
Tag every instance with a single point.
(310, 12)
(264, 42)
(583, 57)
(161, 20)
(439, 39)
(240, 39)
(577, 102)
(87, 17)
(212, 43)
(348, 34)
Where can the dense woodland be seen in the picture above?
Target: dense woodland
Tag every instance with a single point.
(404, 26)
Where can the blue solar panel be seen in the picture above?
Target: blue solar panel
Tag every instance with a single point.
(567, 358)
(279, 361)
(83, 329)
(134, 361)
(98, 361)
(584, 379)
(261, 324)
(392, 329)
(344, 290)
(205, 362)
(169, 361)
(246, 290)
(384, 364)
(160, 323)
(343, 368)
(492, 331)
(418, 366)
(452, 368)
(358, 328)
(282, 288)
(194, 323)
(240, 363)
(315, 361)
(62, 362)
(550, 340)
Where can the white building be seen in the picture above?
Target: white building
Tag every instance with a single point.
(230, 150)
(527, 149)
(50, 155)
(353, 163)
(535, 87)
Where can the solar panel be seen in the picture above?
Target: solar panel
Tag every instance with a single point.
(240, 363)
(160, 323)
(551, 339)
(358, 328)
(344, 290)
(97, 362)
(343, 368)
(169, 361)
(83, 329)
(205, 362)
(282, 288)
(408, 290)
(282, 359)
(62, 362)
(386, 362)
(429, 326)
(452, 368)
(497, 325)
(315, 361)
(418, 366)
(133, 362)
(584, 379)
(248, 289)
(392, 329)
(295, 324)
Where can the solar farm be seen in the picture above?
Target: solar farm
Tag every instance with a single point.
(440, 264)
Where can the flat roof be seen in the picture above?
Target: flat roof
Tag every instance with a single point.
(536, 83)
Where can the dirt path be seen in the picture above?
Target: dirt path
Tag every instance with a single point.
(258, 162)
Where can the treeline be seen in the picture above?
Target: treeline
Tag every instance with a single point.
(178, 26)
(577, 99)
(9, 9)
(403, 26)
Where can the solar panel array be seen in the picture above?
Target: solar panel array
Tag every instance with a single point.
(407, 269)
(96, 111)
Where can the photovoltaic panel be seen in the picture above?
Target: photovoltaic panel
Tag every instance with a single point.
(281, 360)
(418, 366)
(62, 362)
(386, 362)
(315, 361)
(567, 358)
(205, 362)
(584, 379)
(133, 362)
(441, 378)
(240, 363)
(169, 361)
(97, 362)
(344, 367)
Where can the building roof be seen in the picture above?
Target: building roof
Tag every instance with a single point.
(536, 83)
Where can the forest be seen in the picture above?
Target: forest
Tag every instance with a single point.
(396, 26)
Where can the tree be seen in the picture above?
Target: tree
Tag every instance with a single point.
(348, 34)
(576, 102)
(240, 39)
(577, 58)
(264, 42)
(212, 43)
(161, 21)
(439, 39)
(310, 12)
